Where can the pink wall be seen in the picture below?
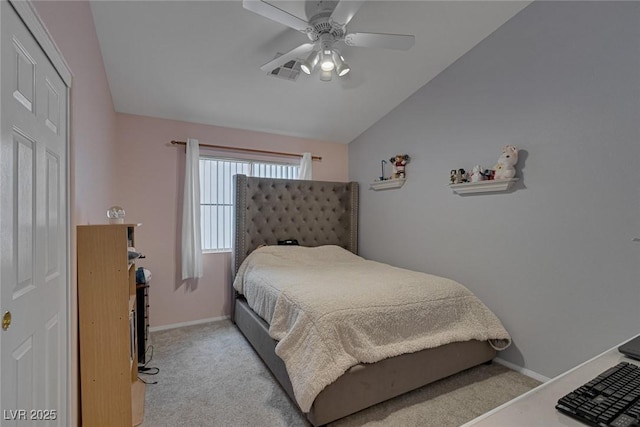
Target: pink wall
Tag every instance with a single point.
(150, 182)
(92, 153)
(93, 118)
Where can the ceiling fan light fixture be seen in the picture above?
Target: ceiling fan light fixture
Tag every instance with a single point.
(325, 76)
(310, 63)
(326, 63)
(342, 68)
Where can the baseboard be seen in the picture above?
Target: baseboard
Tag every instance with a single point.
(523, 371)
(190, 323)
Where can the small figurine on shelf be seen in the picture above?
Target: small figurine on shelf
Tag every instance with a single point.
(399, 163)
(506, 162)
(452, 178)
(461, 176)
(488, 174)
(382, 178)
(476, 174)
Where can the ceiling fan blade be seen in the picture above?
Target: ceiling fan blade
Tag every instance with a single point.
(345, 10)
(275, 14)
(388, 41)
(283, 59)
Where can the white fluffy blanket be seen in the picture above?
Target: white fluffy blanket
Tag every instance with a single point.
(330, 310)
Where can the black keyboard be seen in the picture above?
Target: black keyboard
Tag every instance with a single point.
(610, 399)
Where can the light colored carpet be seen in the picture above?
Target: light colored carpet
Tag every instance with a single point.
(210, 376)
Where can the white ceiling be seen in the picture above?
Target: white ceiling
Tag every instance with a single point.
(198, 61)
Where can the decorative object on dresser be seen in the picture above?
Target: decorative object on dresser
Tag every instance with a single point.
(111, 394)
(115, 214)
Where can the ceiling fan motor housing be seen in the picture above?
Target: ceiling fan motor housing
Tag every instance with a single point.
(321, 25)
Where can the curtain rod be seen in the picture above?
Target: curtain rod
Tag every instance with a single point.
(248, 150)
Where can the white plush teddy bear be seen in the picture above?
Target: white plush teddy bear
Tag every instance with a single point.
(506, 162)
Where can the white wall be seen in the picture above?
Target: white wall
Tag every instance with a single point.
(561, 80)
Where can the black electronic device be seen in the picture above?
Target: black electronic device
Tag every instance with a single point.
(288, 242)
(610, 399)
(631, 348)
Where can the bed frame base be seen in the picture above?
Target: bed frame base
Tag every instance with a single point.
(364, 385)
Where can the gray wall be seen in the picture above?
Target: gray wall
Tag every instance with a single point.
(554, 258)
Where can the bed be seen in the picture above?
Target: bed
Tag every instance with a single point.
(323, 218)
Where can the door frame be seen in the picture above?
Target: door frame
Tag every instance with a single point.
(27, 12)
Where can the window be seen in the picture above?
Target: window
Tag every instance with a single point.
(216, 195)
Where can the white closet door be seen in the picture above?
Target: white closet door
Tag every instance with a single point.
(33, 231)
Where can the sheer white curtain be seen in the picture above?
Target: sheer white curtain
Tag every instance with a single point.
(191, 244)
(305, 167)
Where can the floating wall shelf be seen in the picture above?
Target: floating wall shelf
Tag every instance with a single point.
(387, 184)
(493, 185)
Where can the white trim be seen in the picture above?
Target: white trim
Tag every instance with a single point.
(523, 371)
(27, 12)
(190, 323)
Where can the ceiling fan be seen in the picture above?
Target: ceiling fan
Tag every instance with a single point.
(326, 28)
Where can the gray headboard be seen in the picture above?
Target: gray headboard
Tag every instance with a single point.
(313, 212)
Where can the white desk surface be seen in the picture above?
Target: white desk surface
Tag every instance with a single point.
(536, 408)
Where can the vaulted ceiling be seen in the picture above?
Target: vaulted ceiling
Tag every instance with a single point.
(199, 61)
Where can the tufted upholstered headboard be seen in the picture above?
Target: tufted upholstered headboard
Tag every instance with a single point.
(313, 212)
